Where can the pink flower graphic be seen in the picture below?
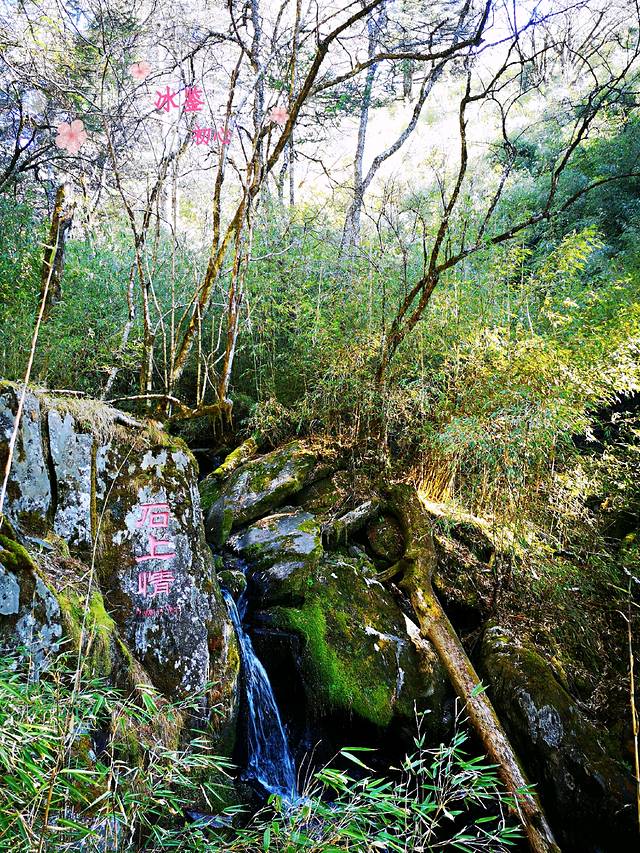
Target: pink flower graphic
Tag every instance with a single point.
(71, 136)
(140, 70)
(279, 115)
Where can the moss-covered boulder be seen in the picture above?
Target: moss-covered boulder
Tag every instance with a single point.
(255, 489)
(385, 537)
(325, 494)
(278, 545)
(560, 747)
(474, 561)
(356, 656)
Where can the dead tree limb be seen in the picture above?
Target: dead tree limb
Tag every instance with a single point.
(418, 564)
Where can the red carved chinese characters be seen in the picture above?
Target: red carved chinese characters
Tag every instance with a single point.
(166, 100)
(160, 581)
(155, 517)
(201, 135)
(193, 101)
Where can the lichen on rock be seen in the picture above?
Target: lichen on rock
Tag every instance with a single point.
(560, 747)
(137, 592)
(71, 453)
(28, 498)
(30, 616)
(174, 618)
(256, 488)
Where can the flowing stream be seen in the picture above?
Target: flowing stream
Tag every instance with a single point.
(269, 758)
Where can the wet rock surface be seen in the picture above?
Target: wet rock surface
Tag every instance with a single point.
(334, 641)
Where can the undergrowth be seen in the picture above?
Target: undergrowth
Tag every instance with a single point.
(82, 767)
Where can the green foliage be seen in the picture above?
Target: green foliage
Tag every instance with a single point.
(130, 791)
(57, 784)
(441, 799)
(518, 348)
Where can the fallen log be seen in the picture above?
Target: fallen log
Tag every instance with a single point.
(417, 568)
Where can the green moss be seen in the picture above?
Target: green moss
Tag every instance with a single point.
(60, 545)
(99, 629)
(235, 459)
(227, 524)
(310, 526)
(263, 471)
(14, 557)
(343, 681)
(223, 720)
(260, 480)
(210, 490)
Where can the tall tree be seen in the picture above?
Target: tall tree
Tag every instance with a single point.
(604, 48)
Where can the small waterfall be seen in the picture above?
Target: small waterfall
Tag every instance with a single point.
(269, 758)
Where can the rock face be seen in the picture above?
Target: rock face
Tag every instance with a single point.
(30, 614)
(560, 748)
(28, 499)
(254, 489)
(156, 569)
(385, 538)
(141, 574)
(334, 641)
(71, 457)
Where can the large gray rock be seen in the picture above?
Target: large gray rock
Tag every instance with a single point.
(255, 489)
(560, 748)
(71, 456)
(30, 615)
(148, 589)
(28, 498)
(357, 656)
(279, 544)
(156, 569)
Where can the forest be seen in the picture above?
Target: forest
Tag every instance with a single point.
(320, 425)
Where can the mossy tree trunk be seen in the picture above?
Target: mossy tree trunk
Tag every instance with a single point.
(53, 261)
(417, 566)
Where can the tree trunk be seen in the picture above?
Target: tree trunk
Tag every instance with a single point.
(418, 565)
(351, 228)
(53, 261)
(131, 319)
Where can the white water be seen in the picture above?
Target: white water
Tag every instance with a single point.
(269, 759)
